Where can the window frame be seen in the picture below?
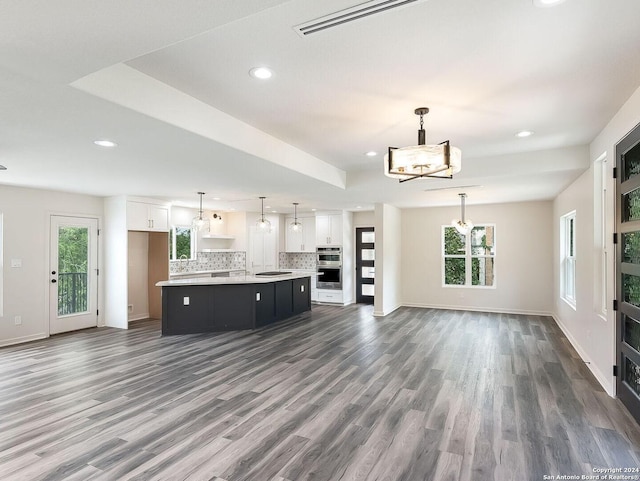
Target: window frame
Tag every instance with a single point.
(172, 242)
(568, 258)
(468, 256)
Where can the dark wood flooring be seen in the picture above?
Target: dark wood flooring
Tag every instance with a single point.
(334, 394)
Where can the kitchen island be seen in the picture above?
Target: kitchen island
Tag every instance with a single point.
(212, 304)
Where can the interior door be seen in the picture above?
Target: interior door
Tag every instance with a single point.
(365, 264)
(628, 271)
(73, 275)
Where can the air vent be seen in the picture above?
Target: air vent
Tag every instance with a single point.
(350, 14)
(458, 188)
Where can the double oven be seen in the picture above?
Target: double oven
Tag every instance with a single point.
(329, 267)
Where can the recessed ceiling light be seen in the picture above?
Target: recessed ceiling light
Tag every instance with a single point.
(274, 211)
(358, 207)
(547, 3)
(216, 198)
(105, 143)
(524, 133)
(267, 207)
(313, 210)
(371, 153)
(261, 73)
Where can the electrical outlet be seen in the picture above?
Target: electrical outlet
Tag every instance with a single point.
(185, 301)
(130, 307)
(17, 320)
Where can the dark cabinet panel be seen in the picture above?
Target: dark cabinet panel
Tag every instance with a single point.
(233, 308)
(301, 295)
(186, 310)
(284, 299)
(265, 302)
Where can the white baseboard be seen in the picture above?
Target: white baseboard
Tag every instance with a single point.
(386, 313)
(20, 340)
(479, 309)
(600, 377)
(139, 317)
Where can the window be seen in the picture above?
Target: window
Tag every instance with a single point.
(469, 260)
(568, 258)
(182, 243)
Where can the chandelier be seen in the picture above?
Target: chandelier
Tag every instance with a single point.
(198, 221)
(421, 161)
(463, 226)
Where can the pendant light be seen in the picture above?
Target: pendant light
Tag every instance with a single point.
(263, 223)
(422, 161)
(295, 226)
(463, 226)
(199, 221)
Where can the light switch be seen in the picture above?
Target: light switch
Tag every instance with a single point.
(302, 288)
(185, 300)
(16, 262)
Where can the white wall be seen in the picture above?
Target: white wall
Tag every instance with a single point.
(523, 263)
(591, 334)
(116, 259)
(388, 228)
(26, 236)
(138, 276)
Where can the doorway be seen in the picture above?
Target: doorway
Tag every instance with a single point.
(628, 272)
(365, 264)
(73, 274)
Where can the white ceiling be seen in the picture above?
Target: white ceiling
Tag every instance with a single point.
(168, 81)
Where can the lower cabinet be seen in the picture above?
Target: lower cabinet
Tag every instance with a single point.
(223, 307)
(330, 295)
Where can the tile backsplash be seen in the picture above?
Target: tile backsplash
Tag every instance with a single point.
(297, 260)
(211, 261)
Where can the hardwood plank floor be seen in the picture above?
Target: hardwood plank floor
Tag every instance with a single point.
(334, 394)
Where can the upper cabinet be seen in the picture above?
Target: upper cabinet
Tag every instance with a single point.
(145, 216)
(301, 241)
(328, 230)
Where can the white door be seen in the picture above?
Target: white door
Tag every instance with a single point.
(73, 274)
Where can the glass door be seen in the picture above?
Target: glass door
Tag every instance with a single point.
(628, 272)
(365, 264)
(73, 278)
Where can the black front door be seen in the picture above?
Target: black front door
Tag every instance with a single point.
(628, 271)
(365, 264)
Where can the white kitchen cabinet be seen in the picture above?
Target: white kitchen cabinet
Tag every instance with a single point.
(142, 216)
(263, 251)
(328, 230)
(330, 295)
(301, 241)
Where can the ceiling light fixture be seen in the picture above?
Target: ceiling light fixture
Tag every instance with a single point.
(524, 133)
(547, 3)
(263, 223)
(198, 221)
(105, 143)
(295, 226)
(262, 73)
(463, 226)
(421, 161)
(371, 153)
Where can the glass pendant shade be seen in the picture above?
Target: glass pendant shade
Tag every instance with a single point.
(263, 223)
(199, 221)
(422, 160)
(295, 226)
(462, 226)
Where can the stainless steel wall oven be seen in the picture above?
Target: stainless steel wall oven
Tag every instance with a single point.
(329, 267)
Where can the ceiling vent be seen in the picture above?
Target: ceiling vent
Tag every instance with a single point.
(350, 14)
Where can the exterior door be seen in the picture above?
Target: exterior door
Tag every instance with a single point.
(73, 274)
(628, 271)
(365, 264)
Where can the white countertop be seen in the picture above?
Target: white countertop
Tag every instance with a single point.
(205, 281)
